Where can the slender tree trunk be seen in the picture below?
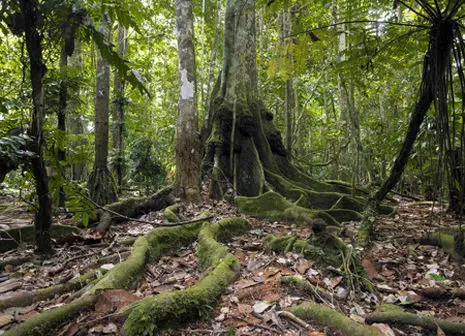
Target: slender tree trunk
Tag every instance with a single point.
(118, 128)
(43, 219)
(74, 118)
(61, 116)
(286, 30)
(187, 133)
(101, 184)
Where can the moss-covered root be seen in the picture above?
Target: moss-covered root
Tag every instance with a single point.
(273, 205)
(171, 213)
(293, 243)
(331, 318)
(149, 247)
(27, 298)
(153, 313)
(305, 286)
(42, 324)
(447, 241)
(124, 275)
(426, 322)
(210, 251)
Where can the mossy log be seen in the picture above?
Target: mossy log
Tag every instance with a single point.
(10, 238)
(151, 314)
(331, 318)
(400, 317)
(151, 246)
(24, 299)
(305, 286)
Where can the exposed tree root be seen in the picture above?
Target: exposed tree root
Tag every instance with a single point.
(153, 313)
(14, 262)
(426, 322)
(305, 286)
(273, 205)
(450, 241)
(329, 317)
(151, 246)
(11, 238)
(326, 249)
(129, 208)
(42, 324)
(27, 298)
(171, 213)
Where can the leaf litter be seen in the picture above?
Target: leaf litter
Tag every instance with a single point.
(400, 268)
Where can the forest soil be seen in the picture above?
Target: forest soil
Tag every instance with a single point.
(399, 267)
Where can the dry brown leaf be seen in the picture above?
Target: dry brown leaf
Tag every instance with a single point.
(441, 332)
(303, 265)
(370, 268)
(113, 299)
(384, 329)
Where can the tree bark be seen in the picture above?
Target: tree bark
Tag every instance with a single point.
(74, 118)
(119, 113)
(61, 116)
(43, 218)
(101, 184)
(187, 132)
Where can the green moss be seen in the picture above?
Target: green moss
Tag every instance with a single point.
(171, 213)
(153, 245)
(210, 251)
(306, 287)
(292, 243)
(328, 317)
(273, 205)
(27, 298)
(444, 240)
(150, 315)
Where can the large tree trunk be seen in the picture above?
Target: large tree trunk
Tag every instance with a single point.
(118, 129)
(245, 154)
(101, 184)
(43, 219)
(187, 133)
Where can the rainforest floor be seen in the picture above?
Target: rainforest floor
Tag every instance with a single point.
(399, 267)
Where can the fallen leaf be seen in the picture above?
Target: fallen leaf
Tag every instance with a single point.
(261, 306)
(441, 332)
(303, 265)
(384, 329)
(370, 268)
(110, 300)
